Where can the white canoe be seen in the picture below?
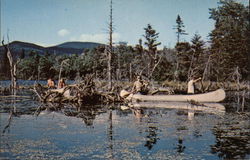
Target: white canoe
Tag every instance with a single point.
(214, 96)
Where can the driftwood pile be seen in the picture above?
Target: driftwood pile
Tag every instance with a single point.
(84, 92)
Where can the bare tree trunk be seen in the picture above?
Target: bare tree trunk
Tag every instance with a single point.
(60, 72)
(12, 71)
(130, 72)
(176, 72)
(38, 72)
(237, 74)
(149, 66)
(118, 71)
(154, 67)
(110, 51)
(109, 70)
(190, 71)
(13, 85)
(206, 70)
(12, 68)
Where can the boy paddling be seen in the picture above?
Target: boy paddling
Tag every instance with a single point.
(191, 85)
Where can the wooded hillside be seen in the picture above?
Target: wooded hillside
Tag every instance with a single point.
(222, 58)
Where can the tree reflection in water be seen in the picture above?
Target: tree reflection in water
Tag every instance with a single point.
(151, 130)
(180, 147)
(174, 132)
(232, 138)
(85, 112)
(151, 136)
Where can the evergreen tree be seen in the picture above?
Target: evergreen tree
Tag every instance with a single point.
(151, 40)
(22, 55)
(179, 28)
(198, 58)
(179, 31)
(151, 43)
(183, 60)
(230, 39)
(139, 47)
(5, 66)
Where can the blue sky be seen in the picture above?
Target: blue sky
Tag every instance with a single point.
(51, 22)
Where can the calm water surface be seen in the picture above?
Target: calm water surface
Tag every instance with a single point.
(107, 132)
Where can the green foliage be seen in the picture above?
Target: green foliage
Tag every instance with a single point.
(184, 56)
(229, 50)
(139, 47)
(46, 66)
(163, 70)
(151, 43)
(27, 69)
(199, 57)
(230, 39)
(22, 55)
(151, 39)
(179, 28)
(4, 66)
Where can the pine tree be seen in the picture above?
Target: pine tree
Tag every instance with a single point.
(179, 31)
(230, 39)
(198, 58)
(151, 43)
(22, 54)
(5, 65)
(179, 28)
(151, 40)
(183, 59)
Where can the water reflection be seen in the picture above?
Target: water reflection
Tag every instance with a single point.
(215, 108)
(138, 113)
(232, 137)
(165, 133)
(180, 147)
(151, 130)
(190, 114)
(151, 137)
(110, 134)
(84, 112)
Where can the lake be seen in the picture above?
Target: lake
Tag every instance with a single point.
(111, 132)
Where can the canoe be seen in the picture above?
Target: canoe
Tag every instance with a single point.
(214, 96)
(204, 107)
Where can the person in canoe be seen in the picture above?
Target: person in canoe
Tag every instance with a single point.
(139, 86)
(51, 83)
(191, 85)
(61, 83)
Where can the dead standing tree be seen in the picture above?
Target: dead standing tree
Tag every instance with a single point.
(60, 72)
(110, 47)
(13, 64)
(13, 85)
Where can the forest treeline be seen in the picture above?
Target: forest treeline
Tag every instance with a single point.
(225, 56)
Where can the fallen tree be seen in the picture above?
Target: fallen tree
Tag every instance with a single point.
(84, 92)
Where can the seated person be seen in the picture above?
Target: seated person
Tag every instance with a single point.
(50, 83)
(61, 83)
(139, 86)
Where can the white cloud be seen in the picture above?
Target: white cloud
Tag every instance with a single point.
(63, 32)
(100, 38)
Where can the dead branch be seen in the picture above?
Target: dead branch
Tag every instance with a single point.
(83, 92)
(157, 63)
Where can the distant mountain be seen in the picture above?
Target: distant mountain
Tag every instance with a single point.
(65, 48)
(79, 45)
